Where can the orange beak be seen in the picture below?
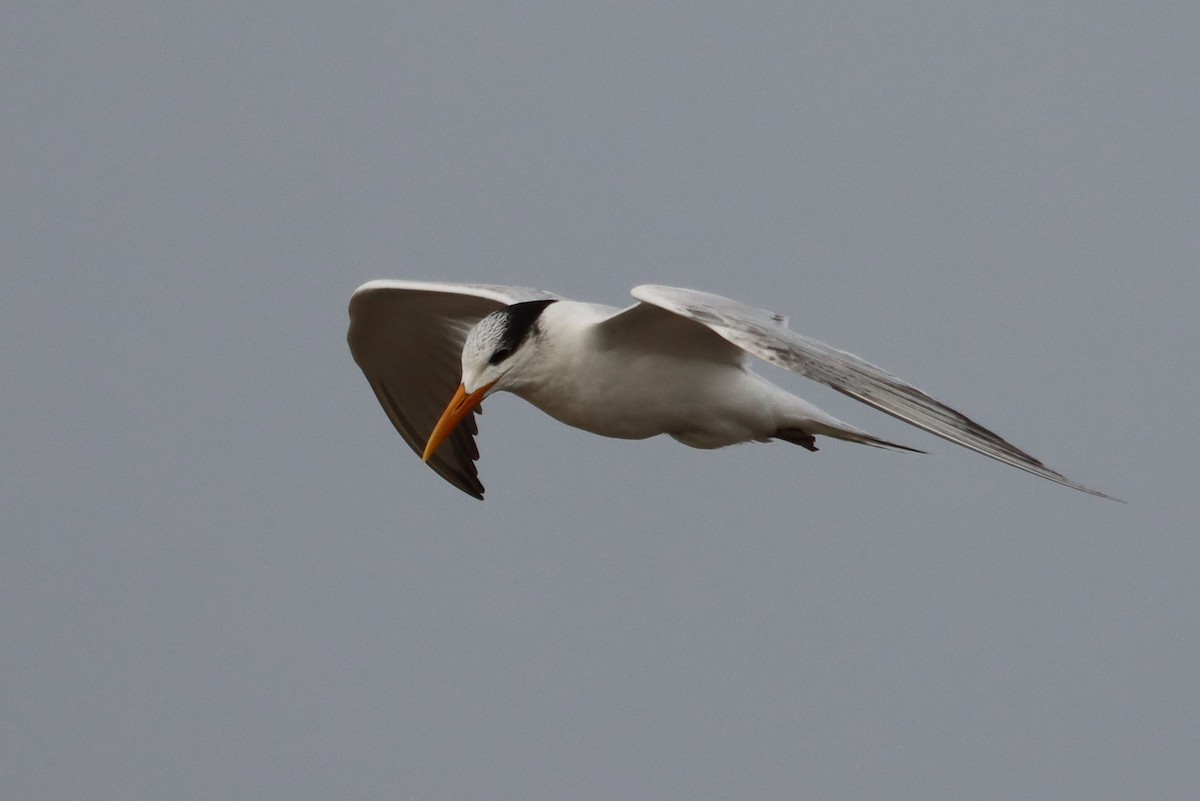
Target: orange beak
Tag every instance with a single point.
(460, 406)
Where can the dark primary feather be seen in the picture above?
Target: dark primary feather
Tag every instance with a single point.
(407, 337)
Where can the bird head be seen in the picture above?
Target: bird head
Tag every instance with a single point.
(492, 355)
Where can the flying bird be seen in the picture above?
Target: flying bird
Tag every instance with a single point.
(673, 363)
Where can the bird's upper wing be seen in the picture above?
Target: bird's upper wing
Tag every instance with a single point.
(407, 337)
(767, 336)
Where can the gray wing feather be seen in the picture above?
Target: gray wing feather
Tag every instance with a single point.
(766, 336)
(407, 337)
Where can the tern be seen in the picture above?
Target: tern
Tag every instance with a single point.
(674, 363)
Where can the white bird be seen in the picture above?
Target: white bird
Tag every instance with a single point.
(674, 363)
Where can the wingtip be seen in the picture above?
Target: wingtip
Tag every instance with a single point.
(1059, 478)
(1100, 494)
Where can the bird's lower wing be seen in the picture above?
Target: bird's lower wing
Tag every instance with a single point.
(407, 337)
(766, 336)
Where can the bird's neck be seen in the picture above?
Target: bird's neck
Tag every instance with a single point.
(557, 352)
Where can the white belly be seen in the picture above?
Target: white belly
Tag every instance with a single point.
(702, 404)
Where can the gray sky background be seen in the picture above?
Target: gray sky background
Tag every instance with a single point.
(223, 575)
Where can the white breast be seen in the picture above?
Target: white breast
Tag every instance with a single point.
(641, 389)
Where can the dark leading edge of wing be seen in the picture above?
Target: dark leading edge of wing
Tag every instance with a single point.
(766, 336)
(407, 337)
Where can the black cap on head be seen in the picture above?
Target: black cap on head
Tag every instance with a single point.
(520, 321)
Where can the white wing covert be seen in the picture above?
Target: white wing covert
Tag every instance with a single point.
(407, 337)
(766, 336)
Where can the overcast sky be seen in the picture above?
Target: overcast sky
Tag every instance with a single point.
(224, 576)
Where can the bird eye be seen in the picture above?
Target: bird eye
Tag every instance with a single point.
(499, 356)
